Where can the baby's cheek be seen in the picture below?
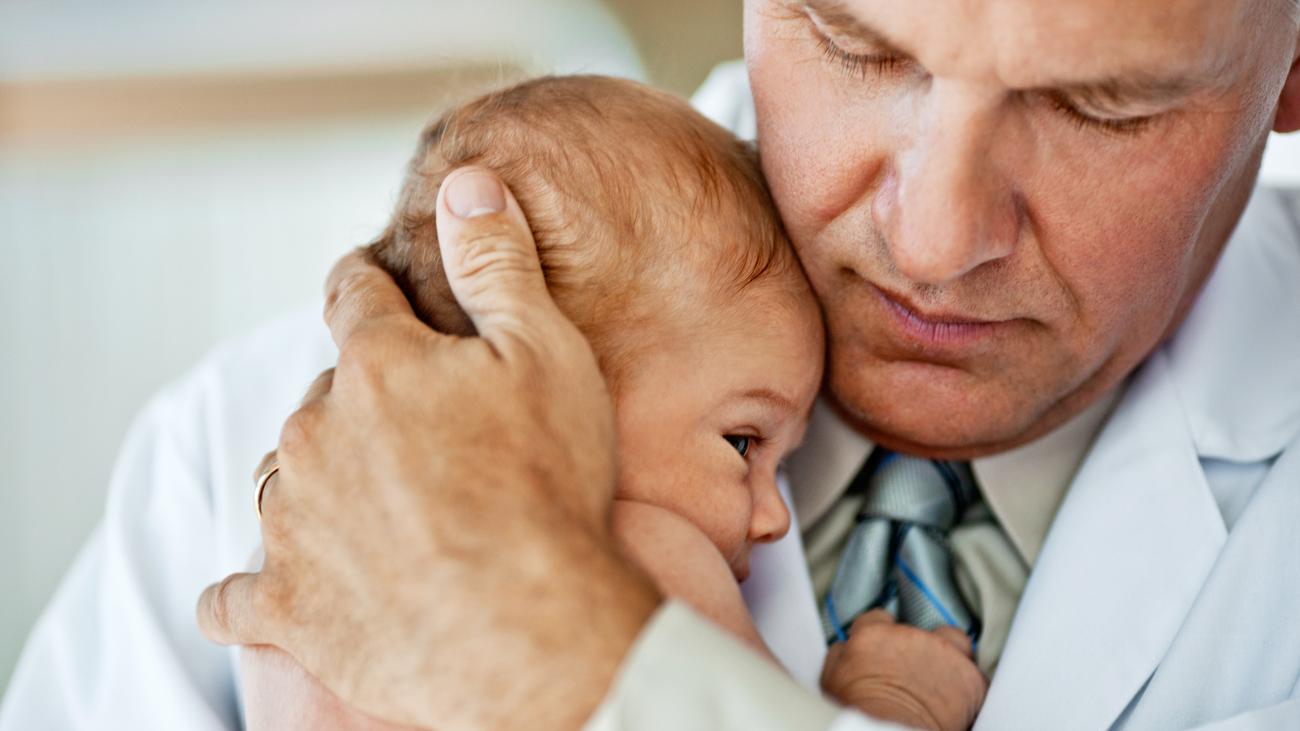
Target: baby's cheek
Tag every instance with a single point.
(726, 521)
(664, 464)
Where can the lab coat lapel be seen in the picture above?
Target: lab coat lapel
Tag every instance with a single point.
(1139, 531)
(1130, 548)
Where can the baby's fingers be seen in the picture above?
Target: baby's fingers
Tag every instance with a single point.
(875, 616)
(957, 639)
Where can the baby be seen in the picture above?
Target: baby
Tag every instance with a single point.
(660, 241)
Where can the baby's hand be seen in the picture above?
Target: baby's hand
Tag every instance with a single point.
(899, 673)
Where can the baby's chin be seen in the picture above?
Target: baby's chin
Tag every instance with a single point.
(740, 565)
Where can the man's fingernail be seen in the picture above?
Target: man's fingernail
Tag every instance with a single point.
(475, 193)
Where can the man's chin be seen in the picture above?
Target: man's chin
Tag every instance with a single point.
(933, 411)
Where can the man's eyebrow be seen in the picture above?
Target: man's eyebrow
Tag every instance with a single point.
(835, 16)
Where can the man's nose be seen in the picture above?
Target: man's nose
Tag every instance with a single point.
(770, 520)
(944, 206)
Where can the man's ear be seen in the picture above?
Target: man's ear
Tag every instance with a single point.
(1288, 108)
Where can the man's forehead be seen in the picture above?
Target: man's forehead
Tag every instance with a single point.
(1030, 43)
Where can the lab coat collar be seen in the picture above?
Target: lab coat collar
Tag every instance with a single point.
(1230, 358)
(1126, 556)
(1140, 530)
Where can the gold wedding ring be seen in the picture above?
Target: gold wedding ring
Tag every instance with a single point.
(261, 487)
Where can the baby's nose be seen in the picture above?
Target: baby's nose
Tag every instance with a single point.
(770, 520)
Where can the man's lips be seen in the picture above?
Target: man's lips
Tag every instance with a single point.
(932, 329)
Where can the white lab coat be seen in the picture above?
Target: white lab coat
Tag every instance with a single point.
(1143, 612)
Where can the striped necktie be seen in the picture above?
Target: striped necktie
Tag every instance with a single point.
(897, 556)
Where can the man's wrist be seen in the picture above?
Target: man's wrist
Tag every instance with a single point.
(597, 613)
(633, 602)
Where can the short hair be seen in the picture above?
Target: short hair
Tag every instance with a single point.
(617, 181)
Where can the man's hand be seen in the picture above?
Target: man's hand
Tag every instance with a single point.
(437, 549)
(894, 672)
(280, 696)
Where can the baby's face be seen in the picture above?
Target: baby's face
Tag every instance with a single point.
(705, 420)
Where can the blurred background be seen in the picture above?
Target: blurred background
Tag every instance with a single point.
(173, 174)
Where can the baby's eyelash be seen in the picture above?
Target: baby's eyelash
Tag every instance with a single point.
(751, 442)
(855, 64)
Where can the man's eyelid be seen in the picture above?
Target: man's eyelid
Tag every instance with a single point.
(1120, 112)
(854, 38)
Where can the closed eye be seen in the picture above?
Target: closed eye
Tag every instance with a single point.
(1121, 126)
(859, 65)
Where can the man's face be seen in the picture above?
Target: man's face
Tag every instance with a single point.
(1005, 205)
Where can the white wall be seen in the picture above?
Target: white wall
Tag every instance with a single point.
(121, 267)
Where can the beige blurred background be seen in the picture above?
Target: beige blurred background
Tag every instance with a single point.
(174, 173)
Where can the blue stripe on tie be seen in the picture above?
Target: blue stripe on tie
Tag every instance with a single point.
(949, 476)
(953, 483)
(835, 619)
(885, 460)
(912, 577)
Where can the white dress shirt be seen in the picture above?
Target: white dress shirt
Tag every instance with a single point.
(1022, 488)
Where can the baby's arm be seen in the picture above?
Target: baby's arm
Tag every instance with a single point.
(889, 671)
(685, 565)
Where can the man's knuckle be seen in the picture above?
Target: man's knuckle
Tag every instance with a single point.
(321, 386)
(222, 610)
(298, 432)
(267, 462)
(351, 285)
(362, 358)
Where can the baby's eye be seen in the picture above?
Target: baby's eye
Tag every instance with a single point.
(740, 443)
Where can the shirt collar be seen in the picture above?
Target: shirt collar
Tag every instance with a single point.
(1023, 487)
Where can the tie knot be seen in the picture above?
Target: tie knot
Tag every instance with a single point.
(925, 492)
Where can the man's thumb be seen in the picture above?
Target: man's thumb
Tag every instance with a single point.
(490, 257)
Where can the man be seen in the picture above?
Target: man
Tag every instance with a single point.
(1017, 216)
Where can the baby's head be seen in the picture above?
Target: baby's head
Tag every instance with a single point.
(659, 240)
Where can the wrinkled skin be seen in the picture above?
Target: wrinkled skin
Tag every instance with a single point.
(923, 680)
(954, 162)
